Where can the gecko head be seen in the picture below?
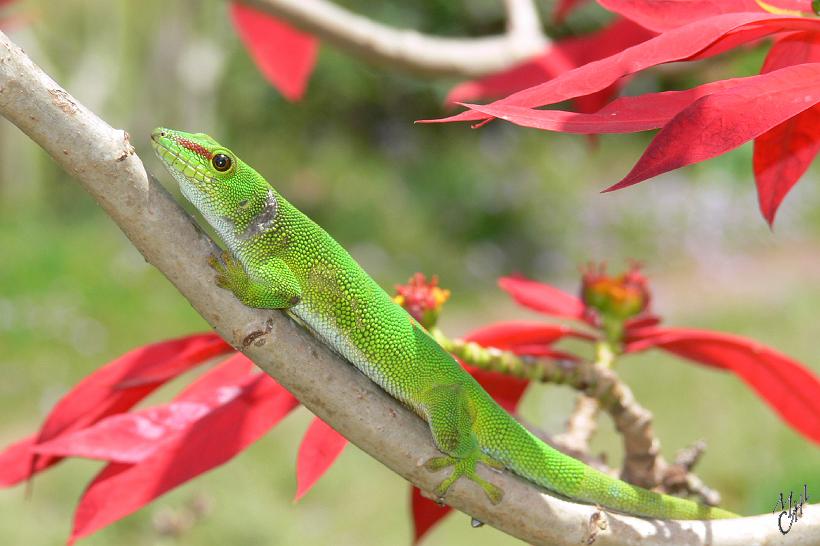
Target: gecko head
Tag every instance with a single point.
(209, 175)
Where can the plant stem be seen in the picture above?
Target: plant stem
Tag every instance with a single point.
(506, 362)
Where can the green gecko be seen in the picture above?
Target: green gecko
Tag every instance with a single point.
(280, 259)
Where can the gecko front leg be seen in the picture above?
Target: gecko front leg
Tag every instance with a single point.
(272, 285)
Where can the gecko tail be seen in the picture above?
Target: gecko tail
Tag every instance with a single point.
(624, 497)
(547, 467)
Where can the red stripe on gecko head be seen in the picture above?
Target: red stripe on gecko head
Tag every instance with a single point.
(198, 149)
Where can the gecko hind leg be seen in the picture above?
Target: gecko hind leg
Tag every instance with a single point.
(451, 422)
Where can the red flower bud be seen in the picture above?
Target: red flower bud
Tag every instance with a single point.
(422, 299)
(620, 298)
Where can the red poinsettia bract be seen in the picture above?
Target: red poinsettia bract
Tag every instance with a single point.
(284, 55)
(113, 389)
(559, 57)
(778, 109)
(320, 448)
(784, 384)
(150, 451)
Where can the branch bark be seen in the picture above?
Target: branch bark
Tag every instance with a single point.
(411, 51)
(104, 162)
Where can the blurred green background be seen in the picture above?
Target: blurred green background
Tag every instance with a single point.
(467, 204)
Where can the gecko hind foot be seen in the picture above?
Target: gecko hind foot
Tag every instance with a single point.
(465, 467)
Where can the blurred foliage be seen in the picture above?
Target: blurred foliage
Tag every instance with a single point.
(466, 204)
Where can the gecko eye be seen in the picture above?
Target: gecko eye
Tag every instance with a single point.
(221, 162)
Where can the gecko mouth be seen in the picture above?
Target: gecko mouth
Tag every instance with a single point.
(177, 163)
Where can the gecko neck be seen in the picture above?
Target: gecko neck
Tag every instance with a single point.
(248, 221)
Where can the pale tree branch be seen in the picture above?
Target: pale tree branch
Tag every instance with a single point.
(104, 163)
(581, 424)
(643, 464)
(583, 421)
(411, 51)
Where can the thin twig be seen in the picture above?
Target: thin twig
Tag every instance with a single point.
(581, 424)
(678, 479)
(411, 51)
(583, 421)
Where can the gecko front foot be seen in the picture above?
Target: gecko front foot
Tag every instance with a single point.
(465, 467)
(269, 285)
(230, 274)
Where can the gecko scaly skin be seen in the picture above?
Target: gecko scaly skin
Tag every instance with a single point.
(280, 259)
